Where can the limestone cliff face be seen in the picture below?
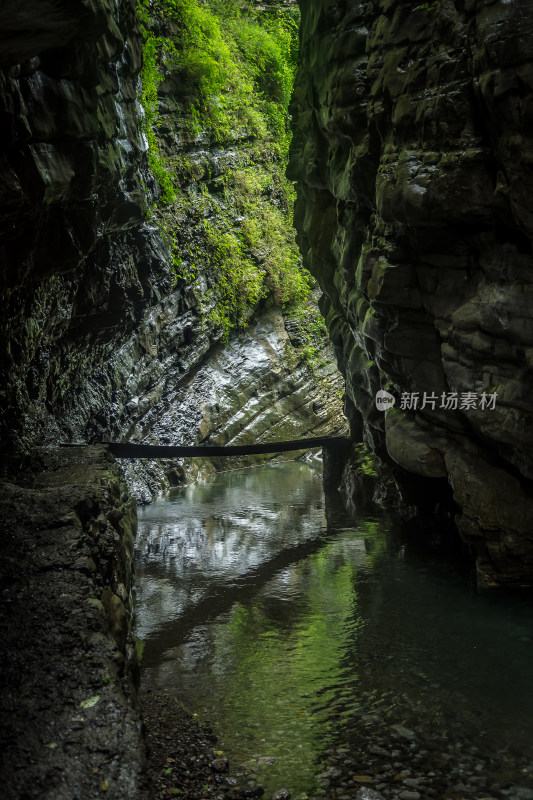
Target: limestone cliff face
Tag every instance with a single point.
(255, 388)
(101, 340)
(413, 156)
(79, 265)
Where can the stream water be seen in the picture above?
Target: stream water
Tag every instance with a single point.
(327, 658)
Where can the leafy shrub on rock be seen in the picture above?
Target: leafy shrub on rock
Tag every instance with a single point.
(231, 68)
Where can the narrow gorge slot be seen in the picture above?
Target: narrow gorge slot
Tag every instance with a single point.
(229, 224)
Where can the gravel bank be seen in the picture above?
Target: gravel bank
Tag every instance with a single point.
(184, 756)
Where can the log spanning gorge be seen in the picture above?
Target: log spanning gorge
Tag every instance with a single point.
(233, 234)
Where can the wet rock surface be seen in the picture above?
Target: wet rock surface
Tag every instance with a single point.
(256, 388)
(103, 341)
(69, 724)
(184, 759)
(79, 263)
(412, 155)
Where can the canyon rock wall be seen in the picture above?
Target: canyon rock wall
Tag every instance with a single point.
(101, 338)
(413, 155)
(69, 722)
(255, 388)
(79, 265)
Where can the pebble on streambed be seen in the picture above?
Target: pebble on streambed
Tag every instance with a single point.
(182, 762)
(181, 759)
(368, 794)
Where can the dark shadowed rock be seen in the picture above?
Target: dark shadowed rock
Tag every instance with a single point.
(412, 152)
(69, 724)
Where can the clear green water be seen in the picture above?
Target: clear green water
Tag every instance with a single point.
(293, 640)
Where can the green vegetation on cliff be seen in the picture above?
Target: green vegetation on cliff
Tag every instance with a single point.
(217, 80)
(236, 64)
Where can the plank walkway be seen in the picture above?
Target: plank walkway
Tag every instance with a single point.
(131, 450)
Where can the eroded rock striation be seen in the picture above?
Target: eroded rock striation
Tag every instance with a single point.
(101, 338)
(412, 153)
(255, 388)
(79, 265)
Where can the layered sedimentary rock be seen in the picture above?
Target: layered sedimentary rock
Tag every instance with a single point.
(79, 265)
(256, 388)
(413, 155)
(100, 337)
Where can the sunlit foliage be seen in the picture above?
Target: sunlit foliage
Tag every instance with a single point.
(234, 67)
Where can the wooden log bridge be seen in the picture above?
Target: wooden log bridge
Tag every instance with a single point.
(132, 450)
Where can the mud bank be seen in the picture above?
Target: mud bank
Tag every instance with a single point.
(69, 724)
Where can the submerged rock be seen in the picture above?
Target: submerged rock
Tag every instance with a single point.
(281, 794)
(220, 765)
(365, 793)
(405, 733)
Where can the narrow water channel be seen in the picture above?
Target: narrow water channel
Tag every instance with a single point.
(327, 659)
